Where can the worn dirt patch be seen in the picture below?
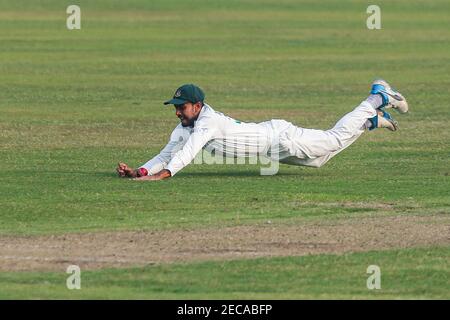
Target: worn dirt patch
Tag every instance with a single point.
(140, 248)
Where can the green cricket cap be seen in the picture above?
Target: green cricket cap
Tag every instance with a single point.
(187, 93)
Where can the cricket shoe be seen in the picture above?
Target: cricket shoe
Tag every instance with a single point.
(383, 120)
(391, 98)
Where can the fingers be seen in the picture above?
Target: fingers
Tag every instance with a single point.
(121, 168)
(120, 172)
(122, 165)
(124, 170)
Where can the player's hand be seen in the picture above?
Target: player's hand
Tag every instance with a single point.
(163, 174)
(123, 170)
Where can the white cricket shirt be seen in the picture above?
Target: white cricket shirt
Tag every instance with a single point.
(212, 131)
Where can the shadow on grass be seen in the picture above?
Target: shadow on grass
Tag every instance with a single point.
(232, 173)
(72, 173)
(224, 173)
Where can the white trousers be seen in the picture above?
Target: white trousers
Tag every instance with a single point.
(311, 147)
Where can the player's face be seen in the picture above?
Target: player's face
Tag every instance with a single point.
(187, 113)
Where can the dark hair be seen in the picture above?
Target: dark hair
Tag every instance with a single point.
(201, 103)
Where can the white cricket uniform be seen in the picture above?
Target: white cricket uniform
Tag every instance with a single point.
(276, 139)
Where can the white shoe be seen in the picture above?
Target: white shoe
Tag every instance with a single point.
(383, 120)
(391, 98)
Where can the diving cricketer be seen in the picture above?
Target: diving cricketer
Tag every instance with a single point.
(201, 127)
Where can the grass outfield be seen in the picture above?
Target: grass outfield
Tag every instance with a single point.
(405, 274)
(74, 103)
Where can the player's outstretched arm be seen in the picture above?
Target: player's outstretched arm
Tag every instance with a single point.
(163, 174)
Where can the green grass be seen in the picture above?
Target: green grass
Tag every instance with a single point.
(74, 103)
(405, 274)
